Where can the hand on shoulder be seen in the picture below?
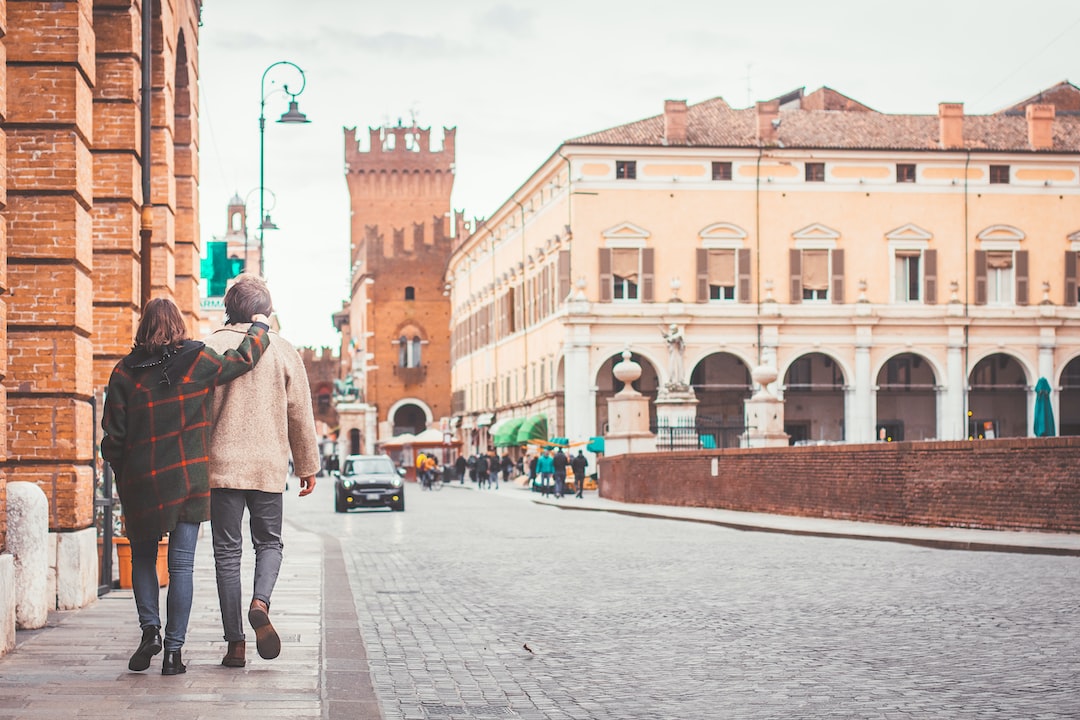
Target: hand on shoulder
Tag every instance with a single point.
(259, 317)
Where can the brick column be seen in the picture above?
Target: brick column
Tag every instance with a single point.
(162, 160)
(50, 76)
(117, 184)
(186, 169)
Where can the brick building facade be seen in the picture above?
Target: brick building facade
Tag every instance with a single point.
(394, 325)
(81, 245)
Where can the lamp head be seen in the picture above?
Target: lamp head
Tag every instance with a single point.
(267, 223)
(293, 114)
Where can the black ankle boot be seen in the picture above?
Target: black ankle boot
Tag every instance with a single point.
(148, 648)
(172, 665)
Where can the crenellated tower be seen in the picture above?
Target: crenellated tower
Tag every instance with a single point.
(395, 326)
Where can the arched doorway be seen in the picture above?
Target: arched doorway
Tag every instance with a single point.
(409, 418)
(354, 442)
(1069, 399)
(814, 399)
(998, 398)
(906, 399)
(607, 385)
(721, 382)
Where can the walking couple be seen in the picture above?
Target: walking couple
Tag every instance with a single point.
(186, 447)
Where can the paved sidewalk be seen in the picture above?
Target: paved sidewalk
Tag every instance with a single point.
(76, 667)
(946, 538)
(1042, 543)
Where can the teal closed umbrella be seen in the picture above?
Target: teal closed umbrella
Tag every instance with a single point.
(1044, 411)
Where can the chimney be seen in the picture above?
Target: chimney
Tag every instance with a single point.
(1040, 119)
(768, 119)
(951, 116)
(674, 122)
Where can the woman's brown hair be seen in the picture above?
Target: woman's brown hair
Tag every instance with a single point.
(248, 296)
(162, 326)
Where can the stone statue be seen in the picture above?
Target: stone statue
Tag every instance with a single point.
(676, 348)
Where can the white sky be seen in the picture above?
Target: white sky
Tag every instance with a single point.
(518, 78)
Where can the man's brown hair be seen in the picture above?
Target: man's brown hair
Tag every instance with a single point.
(248, 296)
(162, 326)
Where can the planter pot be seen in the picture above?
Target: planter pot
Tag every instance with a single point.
(123, 559)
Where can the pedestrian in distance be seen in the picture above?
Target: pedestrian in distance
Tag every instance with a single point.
(545, 466)
(560, 462)
(471, 463)
(481, 470)
(273, 405)
(460, 466)
(533, 461)
(578, 465)
(156, 423)
(494, 467)
(507, 466)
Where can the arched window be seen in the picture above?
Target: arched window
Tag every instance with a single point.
(410, 293)
(403, 352)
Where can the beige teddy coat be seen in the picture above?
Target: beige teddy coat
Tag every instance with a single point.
(260, 417)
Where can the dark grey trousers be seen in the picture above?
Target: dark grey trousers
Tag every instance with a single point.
(226, 517)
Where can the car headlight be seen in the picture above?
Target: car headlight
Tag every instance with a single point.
(396, 482)
(346, 483)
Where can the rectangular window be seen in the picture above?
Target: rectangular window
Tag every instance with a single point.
(625, 169)
(721, 273)
(625, 273)
(815, 274)
(815, 172)
(999, 277)
(906, 279)
(721, 171)
(905, 172)
(999, 174)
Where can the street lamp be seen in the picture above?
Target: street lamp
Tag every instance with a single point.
(292, 116)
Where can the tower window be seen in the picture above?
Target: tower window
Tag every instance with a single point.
(410, 293)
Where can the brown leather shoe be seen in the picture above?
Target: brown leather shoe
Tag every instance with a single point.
(267, 641)
(235, 655)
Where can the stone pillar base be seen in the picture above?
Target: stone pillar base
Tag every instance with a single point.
(7, 604)
(76, 568)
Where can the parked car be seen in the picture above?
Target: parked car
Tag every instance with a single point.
(369, 481)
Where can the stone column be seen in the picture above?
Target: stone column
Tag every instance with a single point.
(28, 516)
(579, 399)
(861, 426)
(628, 414)
(953, 421)
(764, 412)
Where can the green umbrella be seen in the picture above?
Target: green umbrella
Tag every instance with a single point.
(1044, 411)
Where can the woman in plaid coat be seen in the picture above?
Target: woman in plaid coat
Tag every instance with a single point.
(157, 438)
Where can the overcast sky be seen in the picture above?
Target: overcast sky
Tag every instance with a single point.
(518, 78)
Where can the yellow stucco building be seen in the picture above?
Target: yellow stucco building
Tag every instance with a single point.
(908, 276)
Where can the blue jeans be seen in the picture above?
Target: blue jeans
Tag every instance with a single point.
(145, 583)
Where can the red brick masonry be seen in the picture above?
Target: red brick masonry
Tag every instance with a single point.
(1009, 484)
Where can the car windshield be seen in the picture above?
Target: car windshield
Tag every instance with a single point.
(369, 466)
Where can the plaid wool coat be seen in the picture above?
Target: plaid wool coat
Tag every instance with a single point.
(157, 430)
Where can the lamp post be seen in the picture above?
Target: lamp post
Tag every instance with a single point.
(292, 116)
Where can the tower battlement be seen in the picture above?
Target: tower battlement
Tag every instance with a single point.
(401, 149)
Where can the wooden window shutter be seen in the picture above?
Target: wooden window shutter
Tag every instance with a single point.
(795, 261)
(743, 269)
(1022, 280)
(564, 275)
(702, 275)
(605, 275)
(980, 277)
(930, 277)
(1070, 279)
(837, 276)
(647, 274)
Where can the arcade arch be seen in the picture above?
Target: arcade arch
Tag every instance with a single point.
(607, 385)
(906, 399)
(814, 399)
(1069, 399)
(998, 398)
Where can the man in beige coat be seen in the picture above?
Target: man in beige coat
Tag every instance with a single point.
(273, 407)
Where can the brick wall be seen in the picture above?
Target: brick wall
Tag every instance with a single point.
(1017, 484)
(3, 274)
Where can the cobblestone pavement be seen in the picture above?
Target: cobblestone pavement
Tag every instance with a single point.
(482, 604)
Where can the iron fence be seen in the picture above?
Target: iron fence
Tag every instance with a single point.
(703, 433)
